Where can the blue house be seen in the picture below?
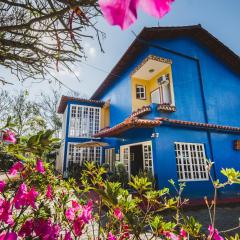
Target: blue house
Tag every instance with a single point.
(170, 103)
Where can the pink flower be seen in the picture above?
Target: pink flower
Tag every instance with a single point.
(213, 233)
(124, 12)
(68, 236)
(70, 214)
(49, 192)
(111, 236)
(25, 198)
(170, 235)
(6, 212)
(2, 186)
(31, 197)
(17, 167)
(39, 166)
(86, 214)
(8, 236)
(45, 230)
(78, 226)
(183, 233)
(9, 136)
(26, 229)
(118, 214)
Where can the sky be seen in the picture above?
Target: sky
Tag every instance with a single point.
(220, 17)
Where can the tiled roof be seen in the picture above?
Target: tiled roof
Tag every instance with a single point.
(166, 108)
(129, 123)
(141, 111)
(148, 34)
(64, 100)
(134, 122)
(199, 125)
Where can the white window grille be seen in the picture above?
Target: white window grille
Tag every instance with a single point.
(79, 155)
(191, 161)
(84, 121)
(140, 92)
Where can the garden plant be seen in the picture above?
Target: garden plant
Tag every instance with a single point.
(36, 203)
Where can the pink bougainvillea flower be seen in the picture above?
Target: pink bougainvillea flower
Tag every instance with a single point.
(111, 236)
(78, 226)
(76, 205)
(70, 214)
(6, 212)
(17, 167)
(49, 192)
(27, 229)
(2, 186)
(118, 214)
(124, 12)
(45, 229)
(171, 235)
(86, 214)
(119, 12)
(39, 166)
(31, 197)
(183, 233)
(67, 236)
(156, 8)
(213, 233)
(25, 198)
(8, 236)
(9, 137)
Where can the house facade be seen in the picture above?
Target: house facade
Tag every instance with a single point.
(170, 104)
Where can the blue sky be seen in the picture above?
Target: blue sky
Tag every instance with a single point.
(219, 17)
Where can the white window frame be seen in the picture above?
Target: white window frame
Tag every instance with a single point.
(171, 90)
(141, 90)
(191, 162)
(84, 122)
(82, 155)
(110, 157)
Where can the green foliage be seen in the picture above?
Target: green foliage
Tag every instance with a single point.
(232, 175)
(192, 227)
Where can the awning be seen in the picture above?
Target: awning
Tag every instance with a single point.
(92, 144)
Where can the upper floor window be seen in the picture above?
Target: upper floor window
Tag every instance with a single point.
(84, 121)
(191, 161)
(165, 89)
(140, 92)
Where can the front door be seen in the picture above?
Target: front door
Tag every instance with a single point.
(136, 157)
(125, 157)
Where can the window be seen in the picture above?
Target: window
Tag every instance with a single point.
(155, 96)
(79, 155)
(140, 92)
(110, 157)
(165, 91)
(191, 161)
(84, 121)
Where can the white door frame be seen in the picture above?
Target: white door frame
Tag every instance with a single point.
(134, 144)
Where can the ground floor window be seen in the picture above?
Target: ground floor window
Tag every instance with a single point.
(191, 161)
(79, 155)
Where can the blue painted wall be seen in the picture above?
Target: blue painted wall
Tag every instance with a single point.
(206, 90)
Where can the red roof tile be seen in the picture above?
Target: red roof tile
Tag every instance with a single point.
(134, 122)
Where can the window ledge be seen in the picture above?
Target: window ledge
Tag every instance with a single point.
(166, 108)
